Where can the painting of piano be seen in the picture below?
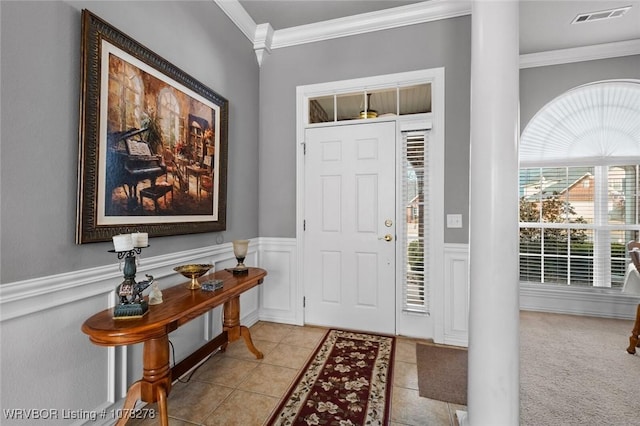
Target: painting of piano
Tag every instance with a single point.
(153, 143)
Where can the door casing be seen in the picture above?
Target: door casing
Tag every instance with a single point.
(411, 325)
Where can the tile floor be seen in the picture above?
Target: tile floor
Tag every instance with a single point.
(234, 388)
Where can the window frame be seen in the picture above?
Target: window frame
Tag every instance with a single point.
(601, 256)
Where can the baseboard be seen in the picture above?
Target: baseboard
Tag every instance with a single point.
(595, 302)
(463, 418)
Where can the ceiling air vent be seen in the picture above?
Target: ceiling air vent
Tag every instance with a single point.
(597, 16)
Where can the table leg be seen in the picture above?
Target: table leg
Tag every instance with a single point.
(156, 380)
(231, 325)
(133, 394)
(634, 341)
(162, 406)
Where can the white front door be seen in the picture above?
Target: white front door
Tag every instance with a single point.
(349, 265)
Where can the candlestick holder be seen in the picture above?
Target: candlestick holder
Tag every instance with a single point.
(131, 303)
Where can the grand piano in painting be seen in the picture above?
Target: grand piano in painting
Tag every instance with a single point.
(130, 161)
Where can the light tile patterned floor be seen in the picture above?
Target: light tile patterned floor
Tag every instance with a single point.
(234, 388)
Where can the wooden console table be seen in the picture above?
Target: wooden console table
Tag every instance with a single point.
(180, 305)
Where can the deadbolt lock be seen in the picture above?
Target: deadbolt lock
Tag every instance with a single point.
(388, 223)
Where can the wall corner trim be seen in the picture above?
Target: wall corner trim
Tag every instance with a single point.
(262, 41)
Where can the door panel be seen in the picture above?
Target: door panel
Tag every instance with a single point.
(349, 194)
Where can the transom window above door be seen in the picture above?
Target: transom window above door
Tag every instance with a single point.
(367, 104)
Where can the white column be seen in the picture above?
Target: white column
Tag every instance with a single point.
(493, 380)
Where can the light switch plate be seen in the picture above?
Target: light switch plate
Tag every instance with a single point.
(454, 221)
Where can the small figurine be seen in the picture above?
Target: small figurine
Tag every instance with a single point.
(155, 296)
(125, 291)
(138, 288)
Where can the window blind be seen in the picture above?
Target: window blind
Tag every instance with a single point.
(575, 223)
(415, 198)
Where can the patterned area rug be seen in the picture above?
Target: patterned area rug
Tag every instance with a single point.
(346, 382)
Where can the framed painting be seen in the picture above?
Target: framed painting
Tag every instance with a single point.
(153, 142)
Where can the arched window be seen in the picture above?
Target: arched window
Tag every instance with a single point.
(169, 115)
(126, 94)
(579, 186)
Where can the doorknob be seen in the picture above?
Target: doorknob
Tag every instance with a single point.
(387, 237)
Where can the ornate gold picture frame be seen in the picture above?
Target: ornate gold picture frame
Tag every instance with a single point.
(153, 142)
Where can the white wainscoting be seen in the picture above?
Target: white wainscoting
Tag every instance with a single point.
(279, 298)
(598, 302)
(41, 318)
(456, 294)
(50, 364)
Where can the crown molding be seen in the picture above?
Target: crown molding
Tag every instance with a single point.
(416, 13)
(262, 41)
(580, 54)
(234, 10)
(264, 38)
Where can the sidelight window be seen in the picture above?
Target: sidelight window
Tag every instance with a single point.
(414, 198)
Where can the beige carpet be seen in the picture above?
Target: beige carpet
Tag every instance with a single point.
(575, 370)
(442, 373)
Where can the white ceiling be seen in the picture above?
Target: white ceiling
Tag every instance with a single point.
(292, 13)
(544, 25)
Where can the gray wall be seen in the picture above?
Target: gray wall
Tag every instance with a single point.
(40, 82)
(538, 86)
(444, 43)
(40, 70)
(436, 44)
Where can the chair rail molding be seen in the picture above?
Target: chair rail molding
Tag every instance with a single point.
(38, 294)
(50, 310)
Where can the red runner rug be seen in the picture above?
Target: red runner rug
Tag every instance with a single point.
(347, 381)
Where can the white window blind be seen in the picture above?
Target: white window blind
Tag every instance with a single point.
(575, 223)
(414, 241)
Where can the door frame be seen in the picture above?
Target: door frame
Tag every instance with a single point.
(430, 326)
(357, 290)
